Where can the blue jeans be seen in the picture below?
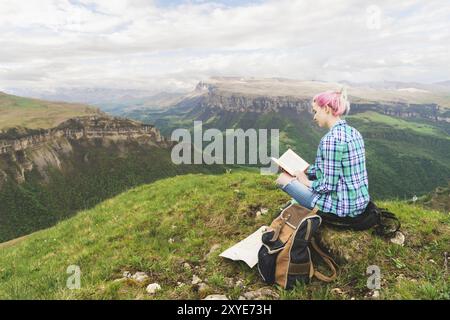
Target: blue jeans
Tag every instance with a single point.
(301, 193)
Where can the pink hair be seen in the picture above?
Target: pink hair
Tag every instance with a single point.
(337, 101)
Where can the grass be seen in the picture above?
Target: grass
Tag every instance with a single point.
(398, 123)
(33, 113)
(132, 232)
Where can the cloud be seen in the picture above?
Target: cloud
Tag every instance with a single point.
(141, 44)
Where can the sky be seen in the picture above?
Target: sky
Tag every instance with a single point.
(172, 45)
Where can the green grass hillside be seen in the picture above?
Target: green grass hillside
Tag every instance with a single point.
(158, 227)
(33, 113)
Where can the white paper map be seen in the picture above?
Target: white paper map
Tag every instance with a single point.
(247, 249)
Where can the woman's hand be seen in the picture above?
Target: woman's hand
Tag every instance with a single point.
(284, 178)
(301, 176)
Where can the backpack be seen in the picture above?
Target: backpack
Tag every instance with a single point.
(385, 223)
(285, 256)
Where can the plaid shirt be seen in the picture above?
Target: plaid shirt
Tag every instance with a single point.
(339, 172)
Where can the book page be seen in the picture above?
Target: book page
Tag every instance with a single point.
(292, 162)
(247, 249)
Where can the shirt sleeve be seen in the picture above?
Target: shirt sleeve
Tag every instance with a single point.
(311, 172)
(331, 166)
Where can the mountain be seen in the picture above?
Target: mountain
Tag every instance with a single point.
(34, 113)
(443, 83)
(111, 100)
(175, 228)
(407, 133)
(47, 175)
(159, 101)
(83, 95)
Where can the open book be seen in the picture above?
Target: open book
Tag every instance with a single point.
(291, 162)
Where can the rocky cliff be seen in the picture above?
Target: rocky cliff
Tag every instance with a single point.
(22, 150)
(271, 97)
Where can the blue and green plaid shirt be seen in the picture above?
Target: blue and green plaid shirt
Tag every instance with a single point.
(339, 172)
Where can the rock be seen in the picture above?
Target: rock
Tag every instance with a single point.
(216, 297)
(171, 240)
(242, 298)
(399, 238)
(401, 276)
(126, 274)
(229, 282)
(264, 210)
(337, 291)
(196, 280)
(152, 288)
(374, 295)
(187, 266)
(214, 248)
(180, 284)
(240, 284)
(260, 294)
(258, 213)
(140, 277)
(203, 290)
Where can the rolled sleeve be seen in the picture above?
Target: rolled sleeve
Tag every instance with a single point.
(311, 172)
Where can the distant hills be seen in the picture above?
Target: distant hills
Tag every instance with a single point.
(114, 101)
(35, 113)
(379, 92)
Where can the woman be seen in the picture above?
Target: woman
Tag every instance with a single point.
(337, 182)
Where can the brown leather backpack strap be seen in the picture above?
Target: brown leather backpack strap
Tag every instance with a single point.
(277, 230)
(328, 260)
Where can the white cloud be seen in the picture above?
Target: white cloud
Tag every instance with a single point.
(136, 44)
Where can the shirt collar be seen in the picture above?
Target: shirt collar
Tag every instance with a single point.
(339, 123)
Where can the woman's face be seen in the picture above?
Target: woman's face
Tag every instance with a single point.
(320, 114)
